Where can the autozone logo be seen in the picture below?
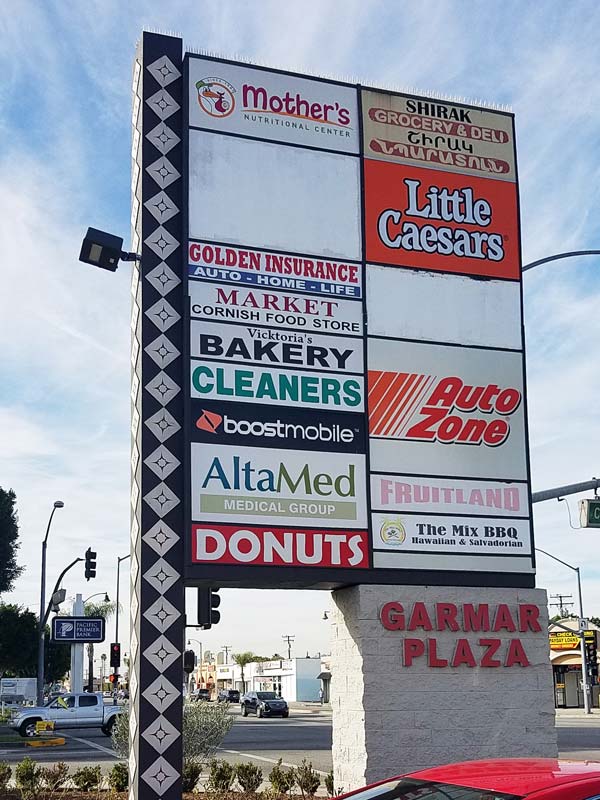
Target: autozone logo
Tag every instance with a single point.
(264, 546)
(428, 409)
(211, 422)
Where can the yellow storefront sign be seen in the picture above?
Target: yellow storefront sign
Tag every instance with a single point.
(565, 640)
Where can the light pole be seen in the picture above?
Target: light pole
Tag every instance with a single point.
(41, 626)
(106, 597)
(558, 257)
(116, 673)
(584, 671)
(90, 647)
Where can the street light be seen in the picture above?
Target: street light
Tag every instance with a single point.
(558, 257)
(116, 669)
(41, 626)
(584, 672)
(106, 597)
(104, 250)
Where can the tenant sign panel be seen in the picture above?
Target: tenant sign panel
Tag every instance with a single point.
(355, 404)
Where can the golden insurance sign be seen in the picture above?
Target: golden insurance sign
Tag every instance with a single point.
(565, 640)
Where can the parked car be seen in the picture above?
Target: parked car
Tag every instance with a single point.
(228, 696)
(201, 694)
(499, 779)
(264, 704)
(84, 710)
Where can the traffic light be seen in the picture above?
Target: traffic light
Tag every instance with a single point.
(208, 602)
(112, 678)
(189, 661)
(90, 564)
(591, 656)
(115, 655)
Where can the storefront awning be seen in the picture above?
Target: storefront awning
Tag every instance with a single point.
(324, 676)
(568, 659)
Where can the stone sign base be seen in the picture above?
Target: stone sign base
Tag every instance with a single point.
(426, 675)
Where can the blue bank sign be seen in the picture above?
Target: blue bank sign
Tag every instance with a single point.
(78, 629)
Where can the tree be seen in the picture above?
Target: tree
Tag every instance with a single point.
(242, 660)
(19, 646)
(106, 610)
(9, 544)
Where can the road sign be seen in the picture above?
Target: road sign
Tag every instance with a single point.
(589, 513)
(78, 629)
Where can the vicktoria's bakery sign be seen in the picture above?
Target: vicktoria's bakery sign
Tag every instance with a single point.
(486, 635)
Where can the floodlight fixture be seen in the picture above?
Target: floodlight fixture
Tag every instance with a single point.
(104, 250)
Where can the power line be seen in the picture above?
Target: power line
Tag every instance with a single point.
(561, 605)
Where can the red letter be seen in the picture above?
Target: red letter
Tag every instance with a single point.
(392, 617)
(463, 654)
(503, 619)
(419, 618)
(516, 654)
(446, 616)
(432, 659)
(195, 251)
(476, 620)
(445, 393)
(492, 648)
(413, 648)
(529, 618)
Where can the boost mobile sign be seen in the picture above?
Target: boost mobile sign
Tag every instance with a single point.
(355, 403)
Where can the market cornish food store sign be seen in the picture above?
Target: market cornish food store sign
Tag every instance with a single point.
(332, 434)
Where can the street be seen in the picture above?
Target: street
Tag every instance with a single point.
(305, 734)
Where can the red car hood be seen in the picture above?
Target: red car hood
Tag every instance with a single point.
(520, 776)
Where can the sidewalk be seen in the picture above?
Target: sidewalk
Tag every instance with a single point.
(313, 707)
(576, 713)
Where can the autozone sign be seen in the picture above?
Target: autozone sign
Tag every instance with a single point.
(278, 546)
(447, 409)
(217, 303)
(275, 347)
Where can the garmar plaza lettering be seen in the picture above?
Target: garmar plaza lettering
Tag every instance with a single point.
(469, 618)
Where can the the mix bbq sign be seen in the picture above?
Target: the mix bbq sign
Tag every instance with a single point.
(355, 404)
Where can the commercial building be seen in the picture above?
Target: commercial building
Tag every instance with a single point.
(565, 655)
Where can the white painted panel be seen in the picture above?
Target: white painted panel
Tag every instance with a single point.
(397, 493)
(448, 562)
(443, 308)
(264, 195)
(237, 98)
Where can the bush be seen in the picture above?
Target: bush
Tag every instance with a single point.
(307, 779)
(87, 778)
(205, 725)
(118, 777)
(282, 780)
(192, 770)
(221, 775)
(329, 785)
(55, 778)
(5, 775)
(249, 777)
(28, 777)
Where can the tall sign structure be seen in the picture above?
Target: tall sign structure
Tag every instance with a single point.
(328, 356)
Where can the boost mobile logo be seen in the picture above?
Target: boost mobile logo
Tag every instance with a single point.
(459, 207)
(211, 422)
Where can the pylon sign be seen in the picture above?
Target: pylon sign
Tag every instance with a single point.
(327, 356)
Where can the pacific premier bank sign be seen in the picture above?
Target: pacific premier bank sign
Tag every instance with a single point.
(355, 406)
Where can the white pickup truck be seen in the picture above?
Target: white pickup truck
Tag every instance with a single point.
(68, 711)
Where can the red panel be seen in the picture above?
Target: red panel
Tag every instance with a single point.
(251, 545)
(441, 221)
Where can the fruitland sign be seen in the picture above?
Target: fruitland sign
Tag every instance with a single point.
(353, 403)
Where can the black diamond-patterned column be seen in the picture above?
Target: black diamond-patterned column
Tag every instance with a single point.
(157, 540)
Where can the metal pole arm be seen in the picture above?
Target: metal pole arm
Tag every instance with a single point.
(558, 256)
(56, 586)
(560, 561)
(561, 491)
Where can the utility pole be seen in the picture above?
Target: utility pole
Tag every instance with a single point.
(226, 648)
(561, 605)
(289, 639)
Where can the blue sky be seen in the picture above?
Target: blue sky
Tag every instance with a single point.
(65, 164)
